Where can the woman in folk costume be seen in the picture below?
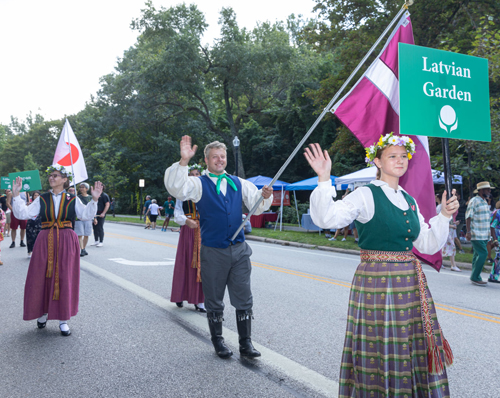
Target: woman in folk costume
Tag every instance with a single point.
(394, 346)
(186, 284)
(53, 280)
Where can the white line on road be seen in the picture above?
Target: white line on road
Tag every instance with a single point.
(306, 251)
(294, 370)
(142, 263)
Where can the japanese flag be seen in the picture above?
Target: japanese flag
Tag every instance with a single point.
(71, 161)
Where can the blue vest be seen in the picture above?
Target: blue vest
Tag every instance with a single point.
(220, 216)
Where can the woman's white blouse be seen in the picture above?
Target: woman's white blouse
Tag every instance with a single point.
(179, 216)
(24, 212)
(359, 205)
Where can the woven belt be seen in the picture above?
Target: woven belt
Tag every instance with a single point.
(435, 365)
(196, 263)
(50, 264)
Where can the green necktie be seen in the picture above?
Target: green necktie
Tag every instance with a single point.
(219, 179)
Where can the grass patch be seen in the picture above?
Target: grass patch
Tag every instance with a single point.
(313, 238)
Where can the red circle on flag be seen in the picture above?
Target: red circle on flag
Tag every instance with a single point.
(66, 161)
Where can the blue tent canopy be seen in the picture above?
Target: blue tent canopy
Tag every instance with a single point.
(309, 184)
(260, 181)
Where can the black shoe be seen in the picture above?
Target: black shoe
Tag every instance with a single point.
(200, 309)
(493, 280)
(82, 253)
(85, 253)
(65, 333)
(215, 325)
(22, 244)
(41, 325)
(180, 305)
(244, 324)
(12, 245)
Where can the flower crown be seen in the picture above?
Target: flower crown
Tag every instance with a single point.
(57, 167)
(389, 140)
(196, 166)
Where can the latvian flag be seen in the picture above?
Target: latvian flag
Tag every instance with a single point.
(371, 109)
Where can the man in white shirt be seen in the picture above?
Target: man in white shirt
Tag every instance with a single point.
(224, 262)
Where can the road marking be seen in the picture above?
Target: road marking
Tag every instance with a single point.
(294, 370)
(142, 263)
(459, 311)
(306, 251)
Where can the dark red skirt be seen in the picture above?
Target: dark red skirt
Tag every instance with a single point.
(184, 285)
(39, 290)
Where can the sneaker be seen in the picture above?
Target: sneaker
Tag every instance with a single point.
(95, 243)
(461, 252)
(490, 260)
(456, 269)
(23, 245)
(332, 239)
(344, 239)
(99, 244)
(12, 245)
(480, 283)
(490, 279)
(29, 255)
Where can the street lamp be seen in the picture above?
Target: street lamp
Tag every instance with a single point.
(236, 144)
(141, 185)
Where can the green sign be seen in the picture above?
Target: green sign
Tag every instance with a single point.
(5, 183)
(31, 180)
(443, 94)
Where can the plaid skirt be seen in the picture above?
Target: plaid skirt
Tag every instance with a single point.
(385, 350)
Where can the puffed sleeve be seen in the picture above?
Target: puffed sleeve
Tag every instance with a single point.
(179, 216)
(431, 240)
(250, 195)
(182, 186)
(24, 212)
(85, 212)
(329, 214)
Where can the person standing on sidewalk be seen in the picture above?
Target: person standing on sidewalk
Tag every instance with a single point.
(224, 262)
(169, 207)
(477, 219)
(102, 209)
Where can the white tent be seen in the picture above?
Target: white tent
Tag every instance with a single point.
(368, 174)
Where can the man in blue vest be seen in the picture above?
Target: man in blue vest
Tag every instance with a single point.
(219, 198)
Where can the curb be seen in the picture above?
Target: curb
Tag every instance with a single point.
(446, 263)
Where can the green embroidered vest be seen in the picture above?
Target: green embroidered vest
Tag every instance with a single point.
(66, 208)
(390, 229)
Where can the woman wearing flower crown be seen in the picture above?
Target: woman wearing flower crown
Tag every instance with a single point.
(394, 346)
(186, 283)
(53, 281)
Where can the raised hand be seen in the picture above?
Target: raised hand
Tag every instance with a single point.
(320, 161)
(187, 150)
(17, 186)
(96, 191)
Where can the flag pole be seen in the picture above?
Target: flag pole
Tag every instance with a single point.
(327, 109)
(71, 157)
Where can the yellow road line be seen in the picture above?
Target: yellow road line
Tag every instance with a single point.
(442, 307)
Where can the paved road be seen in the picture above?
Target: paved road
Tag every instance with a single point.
(129, 340)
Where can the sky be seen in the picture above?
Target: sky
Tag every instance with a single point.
(53, 52)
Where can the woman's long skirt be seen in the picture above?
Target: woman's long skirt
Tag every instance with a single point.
(385, 351)
(184, 285)
(39, 290)
(33, 228)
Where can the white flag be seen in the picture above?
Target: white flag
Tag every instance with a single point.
(72, 162)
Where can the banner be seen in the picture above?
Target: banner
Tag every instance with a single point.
(31, 180)
(443, 94)
(5, 183)
(277, 198)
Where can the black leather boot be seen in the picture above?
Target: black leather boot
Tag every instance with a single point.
(244, 323)
(215, 325)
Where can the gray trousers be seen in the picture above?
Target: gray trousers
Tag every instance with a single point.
(229, 267)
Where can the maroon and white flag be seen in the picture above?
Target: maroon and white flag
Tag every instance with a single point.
(71, 161)
(371, 109)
